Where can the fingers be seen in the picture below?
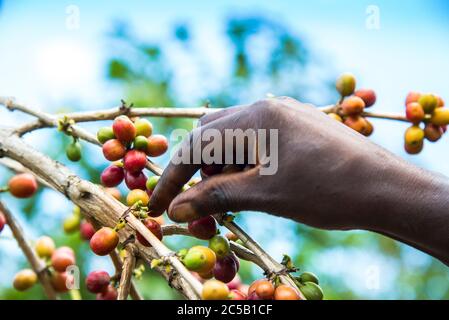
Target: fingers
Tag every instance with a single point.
(179, 172)
(220, 193)
(219, 114)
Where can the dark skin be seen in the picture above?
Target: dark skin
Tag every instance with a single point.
(329, 177)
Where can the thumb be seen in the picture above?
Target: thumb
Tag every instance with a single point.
(216, 194)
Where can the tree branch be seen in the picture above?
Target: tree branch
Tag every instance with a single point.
(126, 274)
(98, 205)
(36, 264)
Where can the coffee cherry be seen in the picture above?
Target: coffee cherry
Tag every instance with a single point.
(211, 169)
(358, 124)
(311, 291)
(135, 180)
(237, 295)
(22, 185)
(346, 84)
(440, 116)
(414, 136)
(97, 281)
(352, 106)
(152, 182)
(2, 221)
(225, 269)
(412, 97)
(233, 256)
(71, 224)
(206, 275)
(369, 129)
(141, 143)
(113, 150)
(428, 102)
(73, 151)
(203, 228)
(414, 112)
(104, 134)
(104, 241)
(134, 161)
(214, 290)
(432, 132)
(265, 290)
(112, 176)
(61, 259)
(87, 230)
(154, 227)
(44, 247)
(253, 286)
(308, 277)
(414, 149)
(335, 116)
(200, 259)
(143, 127)
(440, 102)
(124, 129)
(114, 192)
(24, 279)
(231, 236)
(284, 292)
(60, 280)
(137, 195)
(220, 245)
(367, 95)
(157, 145)
(110, 294)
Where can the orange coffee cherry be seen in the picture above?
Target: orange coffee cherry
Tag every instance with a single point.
(352, 106)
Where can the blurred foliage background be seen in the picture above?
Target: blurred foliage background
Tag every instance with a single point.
(266, 56)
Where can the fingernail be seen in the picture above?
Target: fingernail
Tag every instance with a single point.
(182, 212)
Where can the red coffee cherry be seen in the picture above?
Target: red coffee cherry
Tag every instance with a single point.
(135, 161)
(412, 97)
(97, 281)
(124, 129)
(22, 185)
(265, 290)
(203, 228)
(104, 241)
(284, 292)
(157, 145)
(112, 176)
(135, 180)
(2, 221)
(61, 259)
(414, 112)
(352, 106)
(87, 230)
(367, 95)
(60, 280)
(109, 294)
(113, 150)
(237, 295)
(154, 227)
(432, 132)
(225, 269)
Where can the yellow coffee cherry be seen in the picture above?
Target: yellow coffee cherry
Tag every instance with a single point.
(414, 136)
(346, 84)
(335, 117)
(440, 116)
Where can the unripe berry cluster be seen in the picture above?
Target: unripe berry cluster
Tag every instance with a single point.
(429, 120)
(352, 104)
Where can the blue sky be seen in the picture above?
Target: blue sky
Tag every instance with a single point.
(44, 63)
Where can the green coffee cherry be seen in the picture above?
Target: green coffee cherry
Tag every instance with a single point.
(308, 277)
(73, 151)
(71, 224)
(152, 182)
(346, 84)
(220, 245)
(104, 134)
(312, 291)
(428, 102)
(141, 143)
